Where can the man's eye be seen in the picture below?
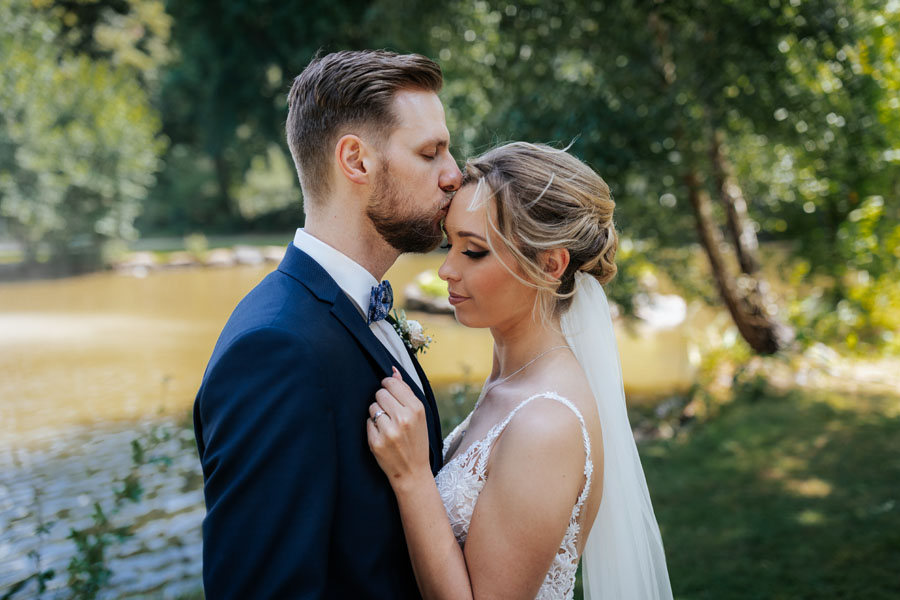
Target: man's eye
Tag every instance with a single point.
(429, 156)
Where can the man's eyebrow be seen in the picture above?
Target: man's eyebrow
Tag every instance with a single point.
(437, 142)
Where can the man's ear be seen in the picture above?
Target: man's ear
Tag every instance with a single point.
(555, 263)
(353, 157)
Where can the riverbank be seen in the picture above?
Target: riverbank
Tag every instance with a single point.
(146, 254)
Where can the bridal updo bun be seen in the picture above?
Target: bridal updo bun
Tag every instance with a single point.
(544, 198)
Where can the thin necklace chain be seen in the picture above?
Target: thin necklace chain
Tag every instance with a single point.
(489, 387)
(494, 384)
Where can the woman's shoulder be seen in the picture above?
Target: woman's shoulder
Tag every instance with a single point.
(546, 417)
(546, 426)
(563, 383)
(553, 407)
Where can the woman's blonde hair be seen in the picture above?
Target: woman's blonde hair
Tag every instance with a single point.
(545, 198)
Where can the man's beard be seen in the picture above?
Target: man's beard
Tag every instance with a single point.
(405, 232)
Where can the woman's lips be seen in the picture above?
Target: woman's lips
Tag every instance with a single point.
(456, 299)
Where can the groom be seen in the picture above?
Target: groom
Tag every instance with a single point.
(296, 504)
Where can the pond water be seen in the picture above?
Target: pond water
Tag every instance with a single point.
(87, 363)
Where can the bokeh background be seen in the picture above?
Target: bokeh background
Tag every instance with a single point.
(753, 148)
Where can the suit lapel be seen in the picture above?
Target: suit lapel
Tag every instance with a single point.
(435, 434)
(346, 312)
(300, 266)
(426, 395)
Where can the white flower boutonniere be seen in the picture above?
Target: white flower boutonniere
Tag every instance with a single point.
(411, 332)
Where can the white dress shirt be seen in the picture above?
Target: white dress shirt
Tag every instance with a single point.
(357, 283)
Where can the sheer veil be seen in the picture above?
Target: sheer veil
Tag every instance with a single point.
(623, 557)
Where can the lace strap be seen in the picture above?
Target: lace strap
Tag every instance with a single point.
(588, 463)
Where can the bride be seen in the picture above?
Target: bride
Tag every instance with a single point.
(544, 468)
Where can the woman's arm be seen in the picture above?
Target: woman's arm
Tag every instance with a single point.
(536, 474)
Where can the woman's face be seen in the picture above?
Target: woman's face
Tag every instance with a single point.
(482, 290)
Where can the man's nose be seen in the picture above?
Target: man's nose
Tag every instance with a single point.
(451, 178)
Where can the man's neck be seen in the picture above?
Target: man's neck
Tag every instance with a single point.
(354, 238)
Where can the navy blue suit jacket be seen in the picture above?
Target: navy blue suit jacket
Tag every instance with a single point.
(297, 507)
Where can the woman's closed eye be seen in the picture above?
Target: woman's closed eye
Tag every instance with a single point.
(473, 254)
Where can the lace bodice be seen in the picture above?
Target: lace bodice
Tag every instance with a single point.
(461, 480)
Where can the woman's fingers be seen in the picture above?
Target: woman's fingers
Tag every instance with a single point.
(396, 429)
(376, 439)
(376, 412)
(388, 401)
(400, 391)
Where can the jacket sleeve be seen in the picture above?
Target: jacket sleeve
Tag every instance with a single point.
(269, 463)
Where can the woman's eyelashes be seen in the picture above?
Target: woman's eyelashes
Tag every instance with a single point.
(473, 254)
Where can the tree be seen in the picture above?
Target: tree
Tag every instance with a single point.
(687, 108)
(224, 100)
(78, 142)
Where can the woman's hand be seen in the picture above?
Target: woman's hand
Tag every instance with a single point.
(398, 433)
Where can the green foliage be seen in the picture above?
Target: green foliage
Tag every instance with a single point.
(431, 284)
(78, 141)
(88, 572)
(270, 184)
(862, 312)
(224, 108)
(456, 401)
(131, 33)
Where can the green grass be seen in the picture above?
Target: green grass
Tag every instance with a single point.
(793, 497)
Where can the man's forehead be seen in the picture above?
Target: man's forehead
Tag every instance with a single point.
(422, 112)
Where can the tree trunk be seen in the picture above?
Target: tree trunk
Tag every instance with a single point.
(742, 297)
(743, 235)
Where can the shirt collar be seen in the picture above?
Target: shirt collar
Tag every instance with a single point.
(350, 276)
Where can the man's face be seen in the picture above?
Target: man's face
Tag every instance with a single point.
(417, 177)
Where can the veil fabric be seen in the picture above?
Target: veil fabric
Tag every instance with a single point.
(623, 557)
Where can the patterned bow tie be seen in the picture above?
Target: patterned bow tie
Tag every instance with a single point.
(381, 300)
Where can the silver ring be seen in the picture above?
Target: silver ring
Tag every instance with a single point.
(378, 414)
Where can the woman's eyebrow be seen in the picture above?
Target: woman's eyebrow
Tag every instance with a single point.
(470, 234)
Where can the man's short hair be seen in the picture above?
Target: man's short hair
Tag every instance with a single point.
(346, 92)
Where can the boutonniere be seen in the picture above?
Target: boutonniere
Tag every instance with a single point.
(411, 332)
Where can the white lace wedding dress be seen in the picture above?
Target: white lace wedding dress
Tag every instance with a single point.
(461, 480)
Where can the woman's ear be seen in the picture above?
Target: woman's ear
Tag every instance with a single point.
(555, 262)
(352, 156)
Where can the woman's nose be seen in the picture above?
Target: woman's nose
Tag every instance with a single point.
(446, 271)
